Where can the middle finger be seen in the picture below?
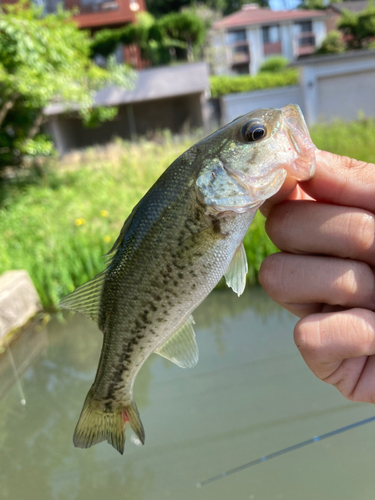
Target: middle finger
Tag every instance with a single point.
(309, 227)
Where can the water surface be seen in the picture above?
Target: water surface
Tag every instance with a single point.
(250, 395)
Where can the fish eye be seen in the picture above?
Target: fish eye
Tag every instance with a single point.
(252, 132)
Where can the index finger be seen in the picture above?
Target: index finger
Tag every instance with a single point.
(290, 190)
(342, 181)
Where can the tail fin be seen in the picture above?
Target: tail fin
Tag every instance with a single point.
(96, 424)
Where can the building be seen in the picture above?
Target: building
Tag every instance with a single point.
(242, 41)
(98, 14)
(169, 97)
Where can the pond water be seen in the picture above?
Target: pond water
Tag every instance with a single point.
(250, 395)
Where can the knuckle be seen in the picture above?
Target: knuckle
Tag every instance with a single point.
(361, 232)
(307, 336)
(270, 275)
(356, 285)
(277, 224)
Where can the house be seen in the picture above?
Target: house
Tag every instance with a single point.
(98, 14)
(95, 15)
(169, 97)
(242, 41)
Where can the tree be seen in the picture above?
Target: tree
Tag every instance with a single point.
(184, 27)
(157, 39)
(358, 27)
(46, 60)
(159, 8)
(332, 44)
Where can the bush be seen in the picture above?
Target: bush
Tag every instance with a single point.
(274, 64)
(223, 84)
(332, 44)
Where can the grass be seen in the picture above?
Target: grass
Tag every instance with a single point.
(58, 227)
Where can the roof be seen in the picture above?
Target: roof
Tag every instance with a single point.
(253, 15)
(152, 83)
(330, 58)
(352, 5)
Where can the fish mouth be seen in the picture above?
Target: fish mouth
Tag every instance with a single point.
(303, 166)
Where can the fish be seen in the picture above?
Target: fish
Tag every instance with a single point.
(182, 237)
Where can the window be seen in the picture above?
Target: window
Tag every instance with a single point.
(304, 27)
(236, 36)
(271, 34)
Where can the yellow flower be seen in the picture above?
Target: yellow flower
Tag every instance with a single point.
(104, 213)
(80, 222)
(107, 239)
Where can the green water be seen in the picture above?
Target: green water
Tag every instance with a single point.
(249, 395)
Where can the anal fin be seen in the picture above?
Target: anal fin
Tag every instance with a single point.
(181, 348)
(235, 275)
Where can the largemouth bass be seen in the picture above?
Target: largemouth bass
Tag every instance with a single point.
(181, 238)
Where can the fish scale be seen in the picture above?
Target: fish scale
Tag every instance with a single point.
(178, 242)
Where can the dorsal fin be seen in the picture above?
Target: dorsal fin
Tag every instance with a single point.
(86, 298)
(181, 348)
(235, 275)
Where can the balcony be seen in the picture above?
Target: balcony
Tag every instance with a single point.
(91, 6)
(272, 48)
(94, 14)
(238, 53)
(304, 44)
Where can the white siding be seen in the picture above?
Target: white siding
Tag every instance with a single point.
(234, 105)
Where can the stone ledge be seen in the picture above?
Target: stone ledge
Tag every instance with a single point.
(19, 301)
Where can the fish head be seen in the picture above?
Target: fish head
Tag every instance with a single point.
(252, 156)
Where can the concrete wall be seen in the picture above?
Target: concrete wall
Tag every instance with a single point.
(331, 87)
(338, 86)
(234, 105)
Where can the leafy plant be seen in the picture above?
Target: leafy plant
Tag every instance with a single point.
(332, 44)
(274, 64)
(358, 27)
(223, 84)
(45, 60)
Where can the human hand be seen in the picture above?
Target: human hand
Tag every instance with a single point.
(324, 274)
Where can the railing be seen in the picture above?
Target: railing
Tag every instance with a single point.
(304, 44)
(238, 53)
(83, 6)
(272, 48)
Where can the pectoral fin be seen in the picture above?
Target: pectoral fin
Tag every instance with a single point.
(86, 298)
(181, 348)
(235, 275)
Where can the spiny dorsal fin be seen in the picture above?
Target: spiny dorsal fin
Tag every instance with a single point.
(235, 275)
(86, 298)
(181, 348)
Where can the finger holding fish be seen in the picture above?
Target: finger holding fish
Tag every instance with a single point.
(325, 273)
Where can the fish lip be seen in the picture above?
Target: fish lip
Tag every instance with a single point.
(303, 166)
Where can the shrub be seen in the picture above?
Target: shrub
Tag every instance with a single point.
(332, 44)
(223, 84)
(274, 64)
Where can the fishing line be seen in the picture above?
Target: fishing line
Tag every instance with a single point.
(285, 450)
(18, 381)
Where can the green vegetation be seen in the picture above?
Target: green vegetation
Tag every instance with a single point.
(174, 36)
(58, 226)
(274, 64)
(357, 31)
(159, 8)
(332, 44)
(221, 85)
(45, 59)
(358, 27)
